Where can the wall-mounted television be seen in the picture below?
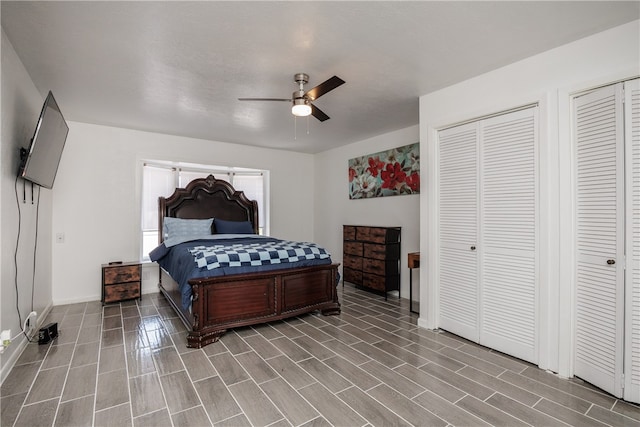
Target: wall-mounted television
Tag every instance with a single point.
(40, 163)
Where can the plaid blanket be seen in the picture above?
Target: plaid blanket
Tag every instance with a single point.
(240, 255)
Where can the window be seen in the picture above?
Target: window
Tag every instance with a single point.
(162, 178)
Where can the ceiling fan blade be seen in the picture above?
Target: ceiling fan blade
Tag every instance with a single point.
(264, 99)
(318, 113)
(324, 87)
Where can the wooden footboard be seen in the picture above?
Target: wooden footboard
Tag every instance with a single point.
(221, 303)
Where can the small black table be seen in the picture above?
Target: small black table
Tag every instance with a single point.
(413, 262)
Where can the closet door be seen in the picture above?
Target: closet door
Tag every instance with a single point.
(509, 233)
(632, 278)
(599, 297)
(458, 220)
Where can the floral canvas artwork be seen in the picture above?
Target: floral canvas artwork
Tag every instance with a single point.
(387, 173)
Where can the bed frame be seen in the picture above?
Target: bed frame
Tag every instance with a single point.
(221, 303)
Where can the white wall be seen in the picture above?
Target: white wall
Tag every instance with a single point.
(97, 191)
(333, 208)
(21, 104)
(548, 79)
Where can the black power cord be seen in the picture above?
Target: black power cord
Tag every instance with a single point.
(35, 248)
(15, 254)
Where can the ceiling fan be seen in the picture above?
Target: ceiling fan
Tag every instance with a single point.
(302, 102)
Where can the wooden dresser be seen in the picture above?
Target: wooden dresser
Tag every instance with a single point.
(371, 257)
(121, 281)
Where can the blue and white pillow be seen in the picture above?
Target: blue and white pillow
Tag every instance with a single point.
(178, 230)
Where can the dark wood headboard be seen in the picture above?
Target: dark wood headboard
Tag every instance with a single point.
(208, 198)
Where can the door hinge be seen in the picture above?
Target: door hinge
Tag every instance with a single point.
(622, 380)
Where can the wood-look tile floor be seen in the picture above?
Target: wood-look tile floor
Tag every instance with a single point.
(128, 364)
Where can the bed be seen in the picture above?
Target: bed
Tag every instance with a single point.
(235, 297)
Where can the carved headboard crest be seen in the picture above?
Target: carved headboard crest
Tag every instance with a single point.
(208, 198)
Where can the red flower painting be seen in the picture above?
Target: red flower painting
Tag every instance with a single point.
(388, 173)
(393, 175)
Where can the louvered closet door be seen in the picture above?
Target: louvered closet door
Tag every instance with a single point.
(458, 220)
(632, 280)
(508, 233)
(599, 312)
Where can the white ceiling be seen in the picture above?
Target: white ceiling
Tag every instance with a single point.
(178, 67)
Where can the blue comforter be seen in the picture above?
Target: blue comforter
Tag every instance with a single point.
(181, 263)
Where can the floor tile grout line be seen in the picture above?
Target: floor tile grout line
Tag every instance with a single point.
(35, 377)
(587, 389)
(190, 379)
(410, 400)
(569, 409)
(573, 384)
(294, 390)
(548, 386)
(304, 370)
(227, 386)
(334, 395)
(156, 373)
(95, 391)
(126, 361)
(66, 377)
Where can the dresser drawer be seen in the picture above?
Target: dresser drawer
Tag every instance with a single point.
(353, 248)
(380, 283)
(373, 281)
(353, 262)
(377, 234)
(352, 276)
(371, 234)
(379, 266)
(349, 232)
(376, 251)
(121, 273)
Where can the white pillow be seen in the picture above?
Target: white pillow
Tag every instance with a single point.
(182, 230)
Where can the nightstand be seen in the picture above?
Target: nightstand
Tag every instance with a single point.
(121, 281)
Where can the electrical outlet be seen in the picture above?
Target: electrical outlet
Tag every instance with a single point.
(5, 337)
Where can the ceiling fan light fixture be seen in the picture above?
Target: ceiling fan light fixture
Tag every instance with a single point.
(300, 108)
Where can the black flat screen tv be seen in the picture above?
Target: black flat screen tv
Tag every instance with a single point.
(40, 163)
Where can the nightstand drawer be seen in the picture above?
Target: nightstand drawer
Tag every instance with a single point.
(123, 291)
(121, 273)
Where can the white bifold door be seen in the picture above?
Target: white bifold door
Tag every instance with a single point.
(487, 267)
(606, 128)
